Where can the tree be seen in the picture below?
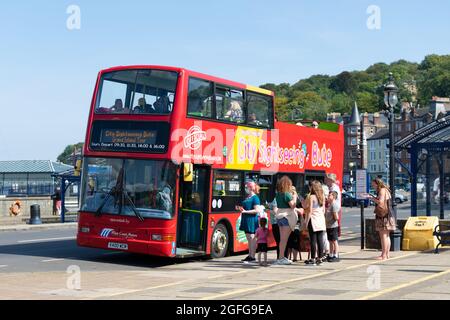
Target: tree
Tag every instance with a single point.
(66, 155)
(344, 83)
(320, 94)
(434, 78)
(341, 103)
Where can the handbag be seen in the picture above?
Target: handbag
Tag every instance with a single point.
(381, 211)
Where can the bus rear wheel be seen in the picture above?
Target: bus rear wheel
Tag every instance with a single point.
(219, 241)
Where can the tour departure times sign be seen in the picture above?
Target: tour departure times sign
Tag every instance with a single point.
(120, 136)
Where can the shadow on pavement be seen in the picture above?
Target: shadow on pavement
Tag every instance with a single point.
(68, 250)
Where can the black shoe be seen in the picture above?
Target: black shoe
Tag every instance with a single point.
(246, 259)
(318, 261)
(310, 262)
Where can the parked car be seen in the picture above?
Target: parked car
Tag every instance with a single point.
(400, 197)
(349, 200)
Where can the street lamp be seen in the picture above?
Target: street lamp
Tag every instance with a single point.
(390, 101)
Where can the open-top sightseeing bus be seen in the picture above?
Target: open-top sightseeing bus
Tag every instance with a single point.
(168, 152)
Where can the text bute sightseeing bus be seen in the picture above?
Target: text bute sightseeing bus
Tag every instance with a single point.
(168, 152)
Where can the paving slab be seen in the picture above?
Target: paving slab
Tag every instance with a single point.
(228, 278)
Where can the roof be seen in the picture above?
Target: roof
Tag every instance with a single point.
(435, 132)
(193, 73)
(32, 166)
(355, 119)
(380, 135)
(422, 112)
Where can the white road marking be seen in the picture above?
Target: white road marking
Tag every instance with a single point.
(3, 266)
(52, 260)
(46, 240)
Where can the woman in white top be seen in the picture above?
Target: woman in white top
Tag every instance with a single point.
(315, 220)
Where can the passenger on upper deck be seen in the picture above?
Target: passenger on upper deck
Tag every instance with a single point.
(253, 120)
(235, 112)
(162, 104)
(141, 107)
(118, 107)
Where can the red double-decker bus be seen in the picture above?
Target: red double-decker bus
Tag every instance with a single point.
(168, 152)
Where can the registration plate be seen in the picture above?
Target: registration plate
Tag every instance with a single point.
(119, 246)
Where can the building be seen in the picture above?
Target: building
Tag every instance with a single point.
(29, 178)
(378, 155)
(439, 107)
(373, 122)
(410, 120)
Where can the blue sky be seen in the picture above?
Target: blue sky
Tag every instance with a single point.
(48, 72)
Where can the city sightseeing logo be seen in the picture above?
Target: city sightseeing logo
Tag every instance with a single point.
(194, 138)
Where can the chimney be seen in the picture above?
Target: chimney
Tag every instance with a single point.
(376, 119)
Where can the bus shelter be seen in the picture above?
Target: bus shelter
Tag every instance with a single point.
(67, 180)
(429, 148)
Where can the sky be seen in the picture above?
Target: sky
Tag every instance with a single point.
(48, 71)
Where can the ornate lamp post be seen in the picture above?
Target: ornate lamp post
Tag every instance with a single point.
(390, 101)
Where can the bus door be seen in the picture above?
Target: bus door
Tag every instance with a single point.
(193, 212)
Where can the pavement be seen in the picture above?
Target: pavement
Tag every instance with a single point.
(44, 226)
(47, 264)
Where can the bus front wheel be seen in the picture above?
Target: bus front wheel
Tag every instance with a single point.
(219, 242)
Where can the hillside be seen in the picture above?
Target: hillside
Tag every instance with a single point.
(320, 94)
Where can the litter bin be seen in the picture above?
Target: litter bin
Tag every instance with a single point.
(35, 214)
(418, 234)
(396, 240)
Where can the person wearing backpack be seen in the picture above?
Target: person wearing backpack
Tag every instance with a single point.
(384, 220)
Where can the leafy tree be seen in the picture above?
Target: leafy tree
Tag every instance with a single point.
(319, 94)
(344, 83)
(65, 156)
(341, 103)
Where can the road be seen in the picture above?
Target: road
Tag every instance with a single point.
(48, 250)
(41, 264)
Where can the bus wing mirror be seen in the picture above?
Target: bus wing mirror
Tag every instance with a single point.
(188, 169)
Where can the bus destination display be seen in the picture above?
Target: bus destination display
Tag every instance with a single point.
(129, 137)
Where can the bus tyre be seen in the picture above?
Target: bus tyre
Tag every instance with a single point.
(219, 241)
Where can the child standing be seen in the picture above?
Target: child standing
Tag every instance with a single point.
(293, 245)
(261, 237)
(331, 218)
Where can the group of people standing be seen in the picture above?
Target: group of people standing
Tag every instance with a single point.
(291, 216)
(317, 216)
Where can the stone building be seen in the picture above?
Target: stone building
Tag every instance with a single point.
(410, 119)
(373, 122)
(378, 155)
